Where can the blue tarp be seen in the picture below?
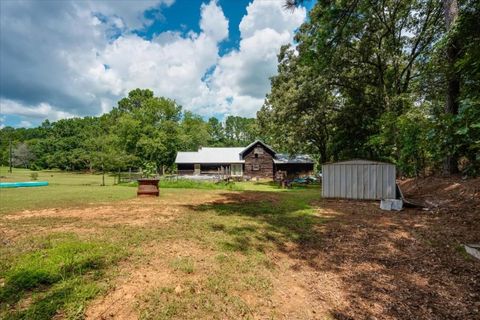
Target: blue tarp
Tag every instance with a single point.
(23, 184)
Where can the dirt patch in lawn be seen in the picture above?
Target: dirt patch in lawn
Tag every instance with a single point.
(301, 291)
(135, 212)
(137, 277)
(140, 213)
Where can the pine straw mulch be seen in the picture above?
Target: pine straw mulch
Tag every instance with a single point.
(401, 265)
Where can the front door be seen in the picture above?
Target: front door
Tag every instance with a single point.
(196, 167)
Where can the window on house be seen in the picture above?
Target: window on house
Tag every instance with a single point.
(258, 150)
(255, 167)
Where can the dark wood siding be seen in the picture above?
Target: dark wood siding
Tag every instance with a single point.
(258, 162)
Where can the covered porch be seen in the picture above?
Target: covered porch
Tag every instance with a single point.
(222, 169)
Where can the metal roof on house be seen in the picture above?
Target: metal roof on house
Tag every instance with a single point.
(285, 158)
(254, 143)
(234, 155)
(211, 155)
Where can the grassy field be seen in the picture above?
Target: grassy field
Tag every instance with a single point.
(59, 258)
(256, 252)
(64, 190)
(68, 189)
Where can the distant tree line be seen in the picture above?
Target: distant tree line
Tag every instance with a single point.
(397, 81)
(142, 130)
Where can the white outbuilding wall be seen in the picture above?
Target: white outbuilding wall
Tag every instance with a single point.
(359, 179)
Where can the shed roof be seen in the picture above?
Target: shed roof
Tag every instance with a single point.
(211, 155)
(358, 161)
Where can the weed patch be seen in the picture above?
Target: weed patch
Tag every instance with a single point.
(183, 264)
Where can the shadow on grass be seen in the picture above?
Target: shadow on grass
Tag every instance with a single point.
(62, 271)
(44, 308)
(384, 268)
(276, 219)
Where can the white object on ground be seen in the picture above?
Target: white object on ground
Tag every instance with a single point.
(391, 204)
(473, 249)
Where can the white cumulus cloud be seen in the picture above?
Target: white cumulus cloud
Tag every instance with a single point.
(40, 111)
(244, 75)
(213, 22)
(59, 59)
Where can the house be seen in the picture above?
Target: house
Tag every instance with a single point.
(257, 160)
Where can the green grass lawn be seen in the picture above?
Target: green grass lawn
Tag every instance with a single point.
(64, 190)
(67, 189)
(52, 272)
(55, 177)
(54, 265)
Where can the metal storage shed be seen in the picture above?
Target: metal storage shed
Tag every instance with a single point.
(359, 179)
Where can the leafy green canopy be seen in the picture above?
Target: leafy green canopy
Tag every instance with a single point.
(365, 79)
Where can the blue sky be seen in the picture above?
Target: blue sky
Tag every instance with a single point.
(184, 16)
(77, 58)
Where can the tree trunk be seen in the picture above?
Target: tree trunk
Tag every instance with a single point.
(450, 163)
(103, 176)
(10, 157)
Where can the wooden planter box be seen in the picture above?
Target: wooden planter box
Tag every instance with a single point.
(148, 187)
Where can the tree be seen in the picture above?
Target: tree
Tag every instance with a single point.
(239, 131)
(297, 112)
(450, 8)
(216, 132)
(106, 156)
(22, 156)
(353, 73)
(194, 132)
(467, 68)
(148, 127)
(135, 100)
